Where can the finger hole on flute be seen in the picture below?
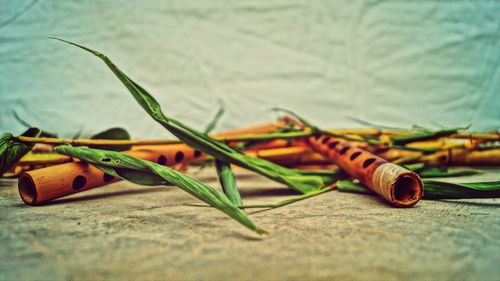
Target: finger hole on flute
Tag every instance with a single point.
(79, 182)
(162, 160)
(179, 156)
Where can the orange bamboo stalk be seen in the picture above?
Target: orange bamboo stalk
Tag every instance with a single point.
(399, 186)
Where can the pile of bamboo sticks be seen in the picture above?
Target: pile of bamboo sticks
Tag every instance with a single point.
(360, 152)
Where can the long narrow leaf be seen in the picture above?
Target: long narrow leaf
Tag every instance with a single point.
(202, 142)
(439, 172)
(214, 121)
(439, 189)
(149, 173)
(290, 200)
(228, 182)
(349, 186)
(447, 190)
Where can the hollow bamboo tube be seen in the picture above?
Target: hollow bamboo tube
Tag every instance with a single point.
(399, 186)
(42, 185)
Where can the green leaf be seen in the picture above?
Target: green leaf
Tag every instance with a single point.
(349, 186)
(439, 172)
(415, 166)
(290, 200)
(439, 189)
(228, 182)
(112, 134)
(197, 140)
(447, 190)
(214, 121)
(12, 150)
(149, 173)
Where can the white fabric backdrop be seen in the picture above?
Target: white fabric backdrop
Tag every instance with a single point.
(395, 63)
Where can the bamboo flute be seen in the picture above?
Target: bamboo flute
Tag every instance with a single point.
(399, 186)
(43, 185)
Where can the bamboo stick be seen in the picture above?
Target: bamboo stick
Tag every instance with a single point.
(399, 186)
(90, 142)
(277, 143)
(231, 135)
(315, 167)
(296, 155)
(257, 129)
(43, 159)
(394, 154)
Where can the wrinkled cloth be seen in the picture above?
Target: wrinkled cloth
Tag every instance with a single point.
(337, 63)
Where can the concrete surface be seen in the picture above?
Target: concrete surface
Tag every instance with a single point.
(125, 231)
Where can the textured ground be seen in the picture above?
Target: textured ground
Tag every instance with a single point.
(125, 231)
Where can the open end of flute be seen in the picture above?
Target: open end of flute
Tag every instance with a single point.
(407, 190)
(27, 189)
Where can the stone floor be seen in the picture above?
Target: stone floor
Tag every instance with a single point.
(125, 231)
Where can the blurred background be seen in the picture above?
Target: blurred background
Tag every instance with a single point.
(392, 63)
